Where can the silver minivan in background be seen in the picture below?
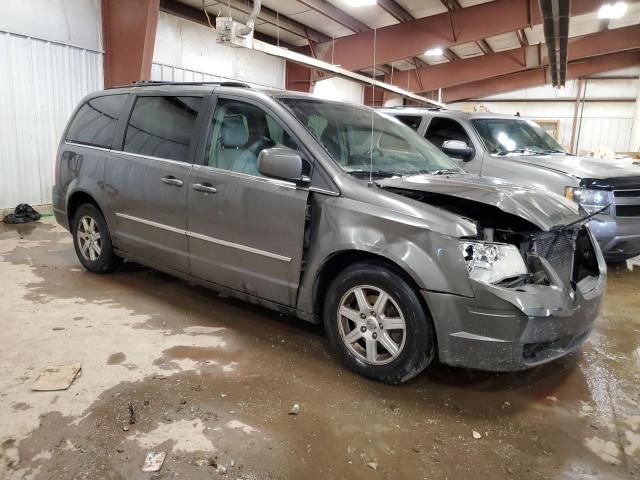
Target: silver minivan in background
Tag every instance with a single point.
(335, 214)
(520, 151)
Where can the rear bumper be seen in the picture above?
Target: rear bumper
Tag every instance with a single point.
(505, 329)
(59, 207)
(618, 237)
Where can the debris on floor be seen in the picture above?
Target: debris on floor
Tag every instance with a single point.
(153, 461)
(295, 409)
(372, 465)
(132, 414)
(477, 435)
(56, 378)
(633, 262)
(23, 213)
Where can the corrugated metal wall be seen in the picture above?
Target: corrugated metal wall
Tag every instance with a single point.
(40, 84)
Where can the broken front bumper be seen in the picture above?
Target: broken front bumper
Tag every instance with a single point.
(505, 329)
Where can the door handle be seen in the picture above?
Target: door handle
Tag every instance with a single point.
(205, 187)
(171, 180)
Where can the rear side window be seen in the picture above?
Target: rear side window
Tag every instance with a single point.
(411, 121)
(162, 127)
(442, 129)
(95, 122)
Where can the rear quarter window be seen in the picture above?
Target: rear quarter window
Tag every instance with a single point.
(96, 120)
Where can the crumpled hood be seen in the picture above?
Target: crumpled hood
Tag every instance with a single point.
(543, 209)
(580, 167)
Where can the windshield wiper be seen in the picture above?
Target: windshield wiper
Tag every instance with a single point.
(444, 171)
(555, 150)
(521, 150)
(374, 173)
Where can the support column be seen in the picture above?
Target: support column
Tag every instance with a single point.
(129, 33)
(298, 77)
(634, 143)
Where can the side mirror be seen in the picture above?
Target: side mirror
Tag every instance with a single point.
(281, 163)
(458, 148)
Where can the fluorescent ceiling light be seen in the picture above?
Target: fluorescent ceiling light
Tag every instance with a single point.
(612, 10)
(434, 52)
(360, 3)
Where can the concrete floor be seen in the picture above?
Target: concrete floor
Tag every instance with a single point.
(213, 378)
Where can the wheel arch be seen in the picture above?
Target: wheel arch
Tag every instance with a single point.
(77, 199)
(343, 259)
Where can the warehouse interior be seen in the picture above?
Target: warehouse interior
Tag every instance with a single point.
(170, 379)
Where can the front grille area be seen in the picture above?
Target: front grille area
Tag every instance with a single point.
(627, 202)
(626, 193)
(558, 248)
(627, 210)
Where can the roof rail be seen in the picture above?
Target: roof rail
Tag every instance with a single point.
(155, 83)
(417, 107)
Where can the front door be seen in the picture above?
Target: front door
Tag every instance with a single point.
(245, 230)
(147, 180)
(441, 129)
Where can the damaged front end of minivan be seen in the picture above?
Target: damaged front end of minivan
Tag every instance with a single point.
(535, 269)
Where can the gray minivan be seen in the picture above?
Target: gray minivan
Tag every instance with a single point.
(332, 213)
(520, 151)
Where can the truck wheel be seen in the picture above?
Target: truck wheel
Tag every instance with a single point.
(377, 324)
(92, 240)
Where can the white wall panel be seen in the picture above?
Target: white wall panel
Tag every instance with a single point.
(71, 22)
(186, 48)
(339, 89)
(41, 83)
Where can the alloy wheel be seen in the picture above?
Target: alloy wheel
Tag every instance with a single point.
(371, 325)
(89, 239)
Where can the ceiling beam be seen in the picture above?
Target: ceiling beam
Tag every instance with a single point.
(394, 9)
(196, 15)
(332, 12)
(538, 77)
(482, 44)
(266, 15)
(409, 39)
(517, 59)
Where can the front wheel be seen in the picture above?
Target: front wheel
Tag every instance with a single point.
(92, 240)
(375, 321)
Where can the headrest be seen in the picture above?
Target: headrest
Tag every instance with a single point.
(234, 132)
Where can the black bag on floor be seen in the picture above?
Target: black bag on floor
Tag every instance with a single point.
(23, 213)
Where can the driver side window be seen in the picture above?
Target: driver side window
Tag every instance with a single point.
(239, 132)
(442, 129)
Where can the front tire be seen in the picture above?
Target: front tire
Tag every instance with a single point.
(377, 324)
(92, 240)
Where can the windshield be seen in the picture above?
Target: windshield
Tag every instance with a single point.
(502, 136)
(360, 139)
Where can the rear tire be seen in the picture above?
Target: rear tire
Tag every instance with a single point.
(92, 240)
(377, 324)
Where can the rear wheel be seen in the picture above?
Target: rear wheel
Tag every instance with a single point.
(377, 324)
(92, 240)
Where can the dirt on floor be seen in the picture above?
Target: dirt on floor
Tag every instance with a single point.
(167, 366)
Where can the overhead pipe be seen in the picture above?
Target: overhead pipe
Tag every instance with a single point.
(555, 14)
(251, 21)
